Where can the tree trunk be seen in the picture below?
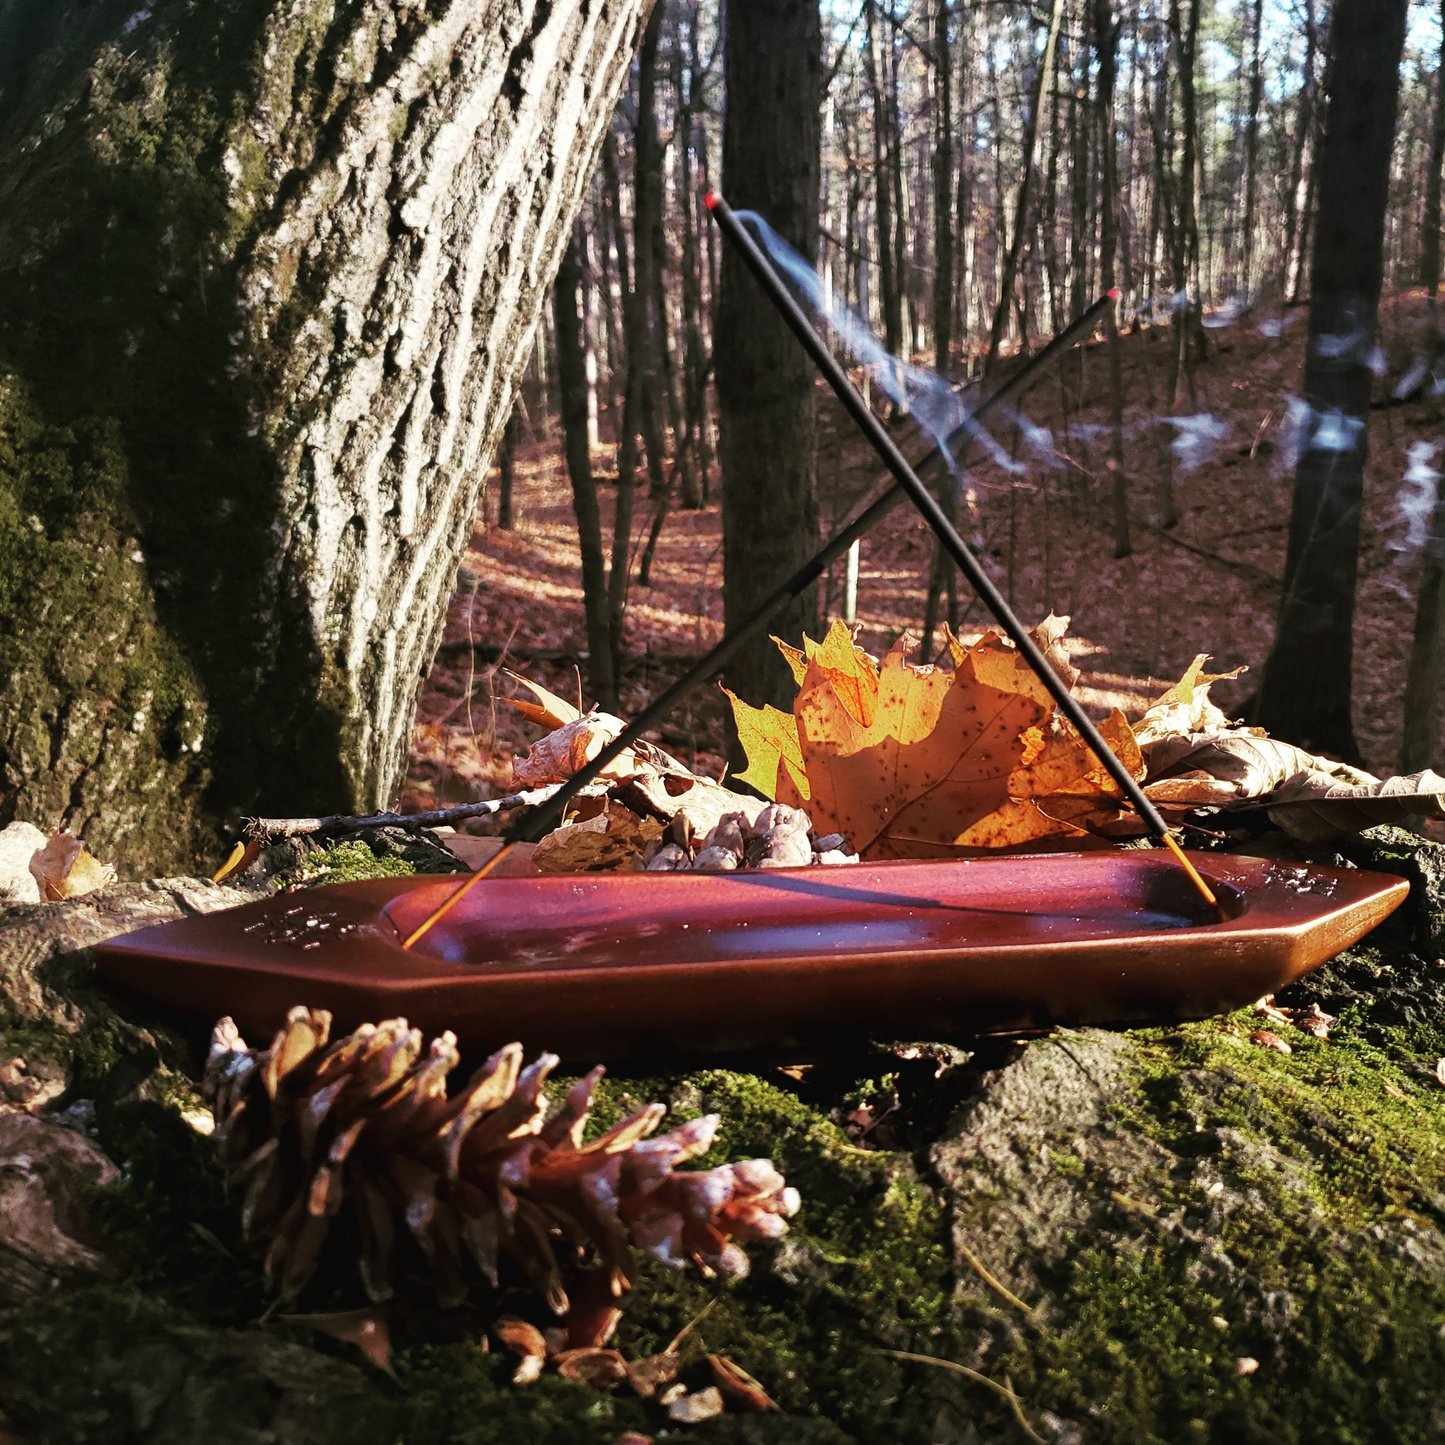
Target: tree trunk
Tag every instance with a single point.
(1106, 48)
(1421, 734)
(507, 466)
(771, 163)
(1021, 209)
(572, 390)
(890, 298)
(1430, 241)
(277, 267)
(1305, 694)
(942, 193)
(620, 567)
(1251, 149)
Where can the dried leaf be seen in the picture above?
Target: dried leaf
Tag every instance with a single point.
(64, 869)
(702, 802)
(739, 1388)
(1245, 757)
(770, 740)
(1313, 799)
(1186, 707)
(1314, 808)
(936, 757)
(1049, 635)
(613, 839)
(549, 710)
(554, 758)
(366, 1329)
(602, 1369)
(1440, 1072)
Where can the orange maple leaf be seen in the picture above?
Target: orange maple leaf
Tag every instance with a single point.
(935, 757)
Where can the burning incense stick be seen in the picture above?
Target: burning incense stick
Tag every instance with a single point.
(541, 819)
(942, 528)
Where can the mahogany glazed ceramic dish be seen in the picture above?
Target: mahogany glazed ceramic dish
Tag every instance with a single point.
(603, 965)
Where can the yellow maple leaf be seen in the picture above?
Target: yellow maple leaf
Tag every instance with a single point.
(935, 757)
(775, 761)
(849, 668)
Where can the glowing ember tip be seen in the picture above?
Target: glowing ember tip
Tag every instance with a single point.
(1113, 293)
(710, 199)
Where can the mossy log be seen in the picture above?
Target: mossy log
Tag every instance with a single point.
(1153, 1235)
(269, 274)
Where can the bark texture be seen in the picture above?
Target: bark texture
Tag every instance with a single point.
(771, 160)
(279, 266)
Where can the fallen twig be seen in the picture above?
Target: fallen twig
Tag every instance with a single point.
(271, 830)
(1006, 1390)
(993, 1282)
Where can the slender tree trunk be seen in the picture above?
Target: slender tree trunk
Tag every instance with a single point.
(1421, 740)
(1430, 240)
(1006, 296)
(1305, 694)
(1297, 206)
(890, 296)
(771, 163)
(507, 467)
(1251, 149)
(1106, 49)
(646, 272)
(942, 192)
(621, 564)
(572, 391)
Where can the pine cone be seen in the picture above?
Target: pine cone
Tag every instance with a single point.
(308, 1129)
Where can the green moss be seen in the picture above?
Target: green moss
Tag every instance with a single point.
(349, 862)
(1322, 1179)
(160, 686)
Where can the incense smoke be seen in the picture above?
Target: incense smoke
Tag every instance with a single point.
(1196, 439)
(1416, 499)
(922, 394)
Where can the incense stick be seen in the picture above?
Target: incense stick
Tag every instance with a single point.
(542, 818)
(943, 529)
(452, 899)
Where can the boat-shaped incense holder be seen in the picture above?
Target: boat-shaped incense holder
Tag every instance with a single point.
(605, 965)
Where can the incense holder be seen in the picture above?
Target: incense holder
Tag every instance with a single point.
(606, 965)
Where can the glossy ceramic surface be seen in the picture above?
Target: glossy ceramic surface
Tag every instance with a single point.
(604, 965)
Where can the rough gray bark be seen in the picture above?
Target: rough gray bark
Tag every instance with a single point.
(290, 259)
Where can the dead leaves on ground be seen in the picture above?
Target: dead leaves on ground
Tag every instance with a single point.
(928, 761)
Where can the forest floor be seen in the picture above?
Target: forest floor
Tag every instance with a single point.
(1210, 583)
